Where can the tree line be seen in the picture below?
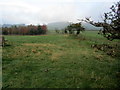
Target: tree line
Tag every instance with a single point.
(24, 30)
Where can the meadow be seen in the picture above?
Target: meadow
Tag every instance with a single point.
(59, 61)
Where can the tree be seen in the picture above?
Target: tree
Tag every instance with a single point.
(110, 24)
(44, 29)
(75, 27)
(5, 31)
(39, 29)
(57, 31)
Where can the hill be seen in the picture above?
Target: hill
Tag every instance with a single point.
(62, 25)
(10, 25)
(88, 26)
(57, 25)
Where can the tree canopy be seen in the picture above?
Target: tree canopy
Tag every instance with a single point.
(74, 27)
(110, 24)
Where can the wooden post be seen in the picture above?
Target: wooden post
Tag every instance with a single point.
(3, 41)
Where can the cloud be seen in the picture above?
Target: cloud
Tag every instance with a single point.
(23, 12)
(45, 11)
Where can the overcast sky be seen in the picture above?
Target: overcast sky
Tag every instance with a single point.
(47, 11)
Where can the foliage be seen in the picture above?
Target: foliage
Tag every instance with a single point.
(75, 27)
(57, 31)
(110, 24)
(25, 30)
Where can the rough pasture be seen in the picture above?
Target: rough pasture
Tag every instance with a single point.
(59, 61)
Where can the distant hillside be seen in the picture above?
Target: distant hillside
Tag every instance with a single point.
(10, 25)
(62, 25)
(57, 25)
(88, 26)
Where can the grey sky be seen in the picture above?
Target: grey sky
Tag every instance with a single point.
(46, 11)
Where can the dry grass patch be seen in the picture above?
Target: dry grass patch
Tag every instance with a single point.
(41, 44)
(99, 57)
(85, 52)
(19, 52)
(38, 54)
(57, 55)
(66, 35)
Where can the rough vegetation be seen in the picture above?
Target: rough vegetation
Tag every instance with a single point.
(60, 61)
(110, 50)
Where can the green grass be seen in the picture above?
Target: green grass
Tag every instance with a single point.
(0, 66)
(58, 61)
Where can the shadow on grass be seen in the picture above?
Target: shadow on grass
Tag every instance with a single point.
(8, 45)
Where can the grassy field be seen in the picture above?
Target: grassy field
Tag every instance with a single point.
(59, 61)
